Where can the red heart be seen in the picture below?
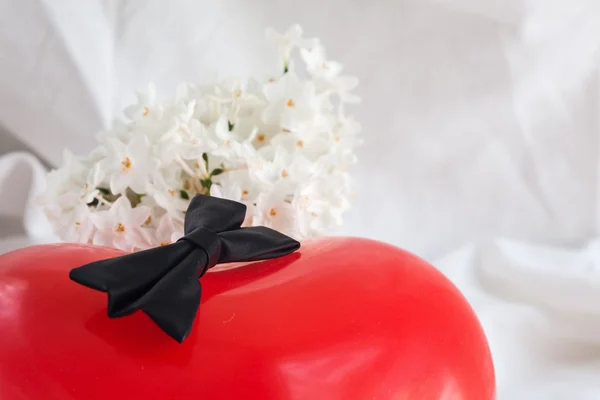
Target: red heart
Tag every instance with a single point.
(340, 319)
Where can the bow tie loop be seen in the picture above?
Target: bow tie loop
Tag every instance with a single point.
(216, 214)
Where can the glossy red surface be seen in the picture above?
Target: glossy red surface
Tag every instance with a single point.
(340, 319)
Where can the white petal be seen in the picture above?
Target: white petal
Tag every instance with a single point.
(103, 220)
(275, 91)
(121, 209)
(140, 214)
(102, 238)
(139, 147)
(119, 182)
(139, 181)
(222, 128)
(176, 235)
(215, 191)
(90, 195)
(272, 114)
(151, 93)
(146, 237)
(95, 176)
(133, 111)
(272, 35)
(294, 32)
(119, 149)
(165, 229)
(124, 242)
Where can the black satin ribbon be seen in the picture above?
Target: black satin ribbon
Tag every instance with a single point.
(164, 281)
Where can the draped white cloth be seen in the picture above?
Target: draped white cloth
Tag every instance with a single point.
(481, 138)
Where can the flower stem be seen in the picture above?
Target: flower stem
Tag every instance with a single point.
(185, 167)
(197, 186)
(103, 200)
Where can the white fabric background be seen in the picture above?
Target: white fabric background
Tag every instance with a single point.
(481, 138)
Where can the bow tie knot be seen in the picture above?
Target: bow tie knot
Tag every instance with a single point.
(209, 242)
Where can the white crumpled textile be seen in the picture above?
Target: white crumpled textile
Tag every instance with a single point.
(481, 138)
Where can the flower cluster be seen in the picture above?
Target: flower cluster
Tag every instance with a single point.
(281, 145)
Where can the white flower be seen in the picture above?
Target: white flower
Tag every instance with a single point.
(90, 188)
(167, 231)
(145, 104)
(286, 168)
(166, 191)
(222, 131)
(287, 41)
(228, 145)
(231, 92)
(129, 165)
(327, 74)
(293, 103)
(318, 66)
(273, 211)
(77, 226)
(187, 142)
(230, 192)
(120, 226)
(310, 145)
(252, 128)
(281, 145)
(119, 131)
(236, 185)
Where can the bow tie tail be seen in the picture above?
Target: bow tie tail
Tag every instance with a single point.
(173, 302)
(160, 281)
(255, 243)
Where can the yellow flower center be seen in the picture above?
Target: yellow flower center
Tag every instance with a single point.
(245, 192)
(165, 243)
(77, 224)
(272, 212)
(148, 220)
(146, 111)
(260, 137)
(238, 93)
(171, 192)
(325, 66)
(284, 173)
(126, 163)
(120, 228)
(300, 143)
(291, 103)
(186, 185)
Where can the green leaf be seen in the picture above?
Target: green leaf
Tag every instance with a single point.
(217, 171)
(285, 69)
(205, 158)
(184, 195)
(230, 125)
(206, 183)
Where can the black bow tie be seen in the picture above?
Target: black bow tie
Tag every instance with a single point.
(163, 281)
